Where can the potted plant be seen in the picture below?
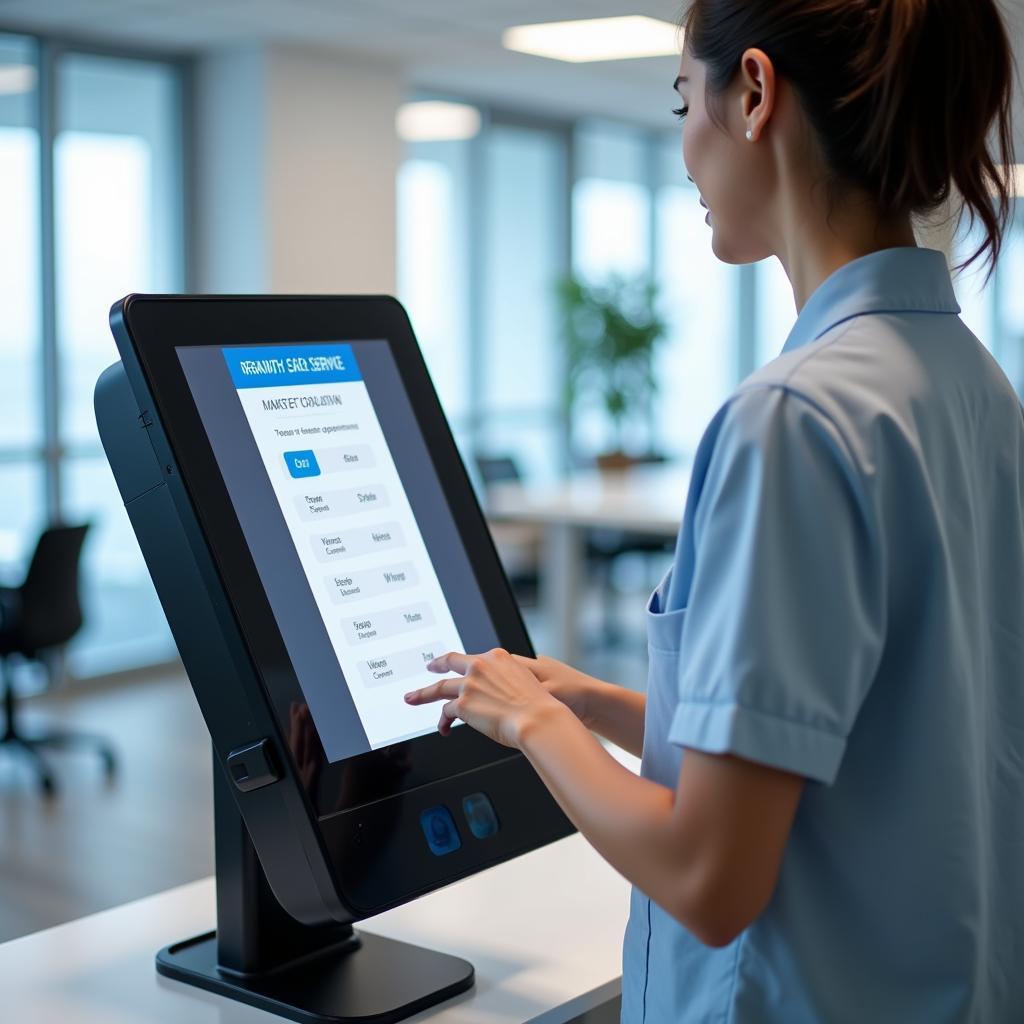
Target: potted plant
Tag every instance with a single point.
(611, 331)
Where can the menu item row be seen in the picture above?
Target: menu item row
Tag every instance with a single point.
(309, 463)
(387, 623)
(327, 504)
(361, 540)
(390, 668)
(363, 583)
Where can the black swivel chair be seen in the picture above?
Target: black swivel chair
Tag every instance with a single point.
(36, 620)
(603, 546)
(523, 573)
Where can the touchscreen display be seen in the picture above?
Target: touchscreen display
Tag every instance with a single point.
(348, 526)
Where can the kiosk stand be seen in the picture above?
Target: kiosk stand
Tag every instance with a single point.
(262, 956)
(200, 423)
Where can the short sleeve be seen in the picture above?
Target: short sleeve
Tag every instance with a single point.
(785, 613)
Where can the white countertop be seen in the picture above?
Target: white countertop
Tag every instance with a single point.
(543, 931)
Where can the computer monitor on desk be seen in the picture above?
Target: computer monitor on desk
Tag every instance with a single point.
(315, 541)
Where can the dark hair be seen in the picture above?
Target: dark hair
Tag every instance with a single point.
(902, 94)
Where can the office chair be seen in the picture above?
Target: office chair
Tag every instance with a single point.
(606, 544)
(518, 544)
(603, 546)
(37, 619)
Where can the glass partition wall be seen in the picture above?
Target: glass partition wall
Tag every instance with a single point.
(91, 164)
(487, 226)
(90, 209)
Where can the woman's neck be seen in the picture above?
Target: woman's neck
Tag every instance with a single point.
(813, 247)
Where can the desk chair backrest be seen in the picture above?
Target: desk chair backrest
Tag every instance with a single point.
(51, 613)
(498, 469)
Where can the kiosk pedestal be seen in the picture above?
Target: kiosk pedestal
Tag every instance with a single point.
(262, 956)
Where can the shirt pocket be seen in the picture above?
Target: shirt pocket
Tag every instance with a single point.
(664, 628)
(664, 639)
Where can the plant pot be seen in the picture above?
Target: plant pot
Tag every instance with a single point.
(615, 461)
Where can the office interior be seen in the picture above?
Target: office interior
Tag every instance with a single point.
(384, 147)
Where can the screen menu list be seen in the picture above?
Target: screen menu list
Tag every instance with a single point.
(357, 539)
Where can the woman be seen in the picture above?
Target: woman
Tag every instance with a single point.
(839, 646)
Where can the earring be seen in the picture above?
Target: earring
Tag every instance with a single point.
(750, 135)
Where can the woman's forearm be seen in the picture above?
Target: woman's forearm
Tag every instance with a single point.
(617, 714)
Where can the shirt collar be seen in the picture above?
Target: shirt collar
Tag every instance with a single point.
(898, 280)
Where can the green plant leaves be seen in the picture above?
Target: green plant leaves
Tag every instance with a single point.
(611, 331)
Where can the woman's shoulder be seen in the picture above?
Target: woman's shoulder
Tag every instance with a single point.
(884, 360)
(886, 384)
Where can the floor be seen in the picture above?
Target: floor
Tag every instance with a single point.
(96, 845)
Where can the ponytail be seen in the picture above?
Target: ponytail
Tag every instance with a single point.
(909, 99)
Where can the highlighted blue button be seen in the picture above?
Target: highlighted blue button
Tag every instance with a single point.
(439, 827)
(301, 464)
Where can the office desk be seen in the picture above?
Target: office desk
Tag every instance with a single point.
(646, 499)
(544, 933)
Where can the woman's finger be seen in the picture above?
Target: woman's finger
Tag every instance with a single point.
(449, 712)
(443, 688)
(453, 661)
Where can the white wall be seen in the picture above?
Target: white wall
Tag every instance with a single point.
(296, 158)
(227, 217)
(332, 161)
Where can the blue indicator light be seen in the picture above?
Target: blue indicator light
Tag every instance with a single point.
(479, 811)
(439, 827)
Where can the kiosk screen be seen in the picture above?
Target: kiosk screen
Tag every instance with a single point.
(348, 525)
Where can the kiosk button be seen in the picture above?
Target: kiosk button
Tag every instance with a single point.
(253, 766)
(479, 812)
(439, 827)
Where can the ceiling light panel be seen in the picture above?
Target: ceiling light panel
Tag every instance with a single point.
(596, 39)
(436, 121)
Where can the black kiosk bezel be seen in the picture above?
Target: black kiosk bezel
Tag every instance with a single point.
(326, 867)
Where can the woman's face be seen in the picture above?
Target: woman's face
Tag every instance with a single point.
(727, 169)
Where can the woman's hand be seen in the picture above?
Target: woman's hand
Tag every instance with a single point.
(496, 693)
(567, 684)
(612, 711)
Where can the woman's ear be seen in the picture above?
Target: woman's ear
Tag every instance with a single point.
(757, 95)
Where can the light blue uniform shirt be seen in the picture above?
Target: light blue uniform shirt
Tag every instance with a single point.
(847, 603)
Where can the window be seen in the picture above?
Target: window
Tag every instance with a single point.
(21, 387)
(522, 249)
(487, 226)
(433, 267)
(1010, 305)
(611, 203)
(976, 298)
(114, 147)
(611, 237)
(117, 230)
(697, 365)
(776, 309)
(481, 229)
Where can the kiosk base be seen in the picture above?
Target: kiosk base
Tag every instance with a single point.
(370, 978)
(327, 974)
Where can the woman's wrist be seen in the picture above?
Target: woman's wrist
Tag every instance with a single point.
(593, 693)
(547, 718)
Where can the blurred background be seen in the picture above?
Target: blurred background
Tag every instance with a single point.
(531, 210)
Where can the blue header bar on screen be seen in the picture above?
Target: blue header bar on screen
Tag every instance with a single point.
(273, 366)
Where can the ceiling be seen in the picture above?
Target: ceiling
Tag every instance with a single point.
(449, 46)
